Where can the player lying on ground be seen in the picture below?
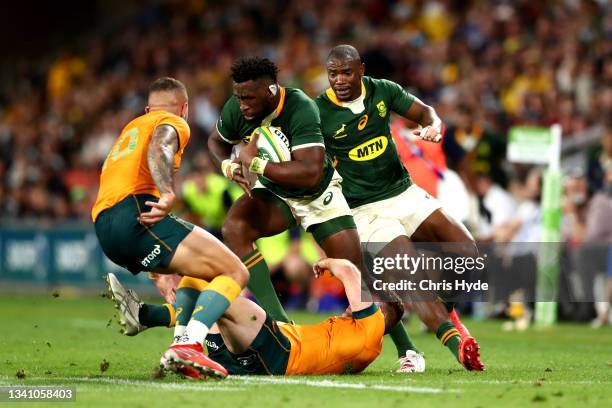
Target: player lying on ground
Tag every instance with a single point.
(247, 340)
(304, 191)
(136, 230)
(387, 207)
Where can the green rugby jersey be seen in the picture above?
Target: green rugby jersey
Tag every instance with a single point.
(361, 145)
(297, 117)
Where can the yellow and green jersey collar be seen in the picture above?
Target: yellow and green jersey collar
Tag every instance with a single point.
(279, 108)
(331, 95)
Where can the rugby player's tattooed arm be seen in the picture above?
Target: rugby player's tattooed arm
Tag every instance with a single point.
(163, 146)
(427, 117)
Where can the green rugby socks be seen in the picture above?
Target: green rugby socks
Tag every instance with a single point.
(260, 285)
(156, 315)
(401, 339)
(449, 336)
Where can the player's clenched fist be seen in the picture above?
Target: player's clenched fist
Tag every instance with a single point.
(159, 209)
(430, 133)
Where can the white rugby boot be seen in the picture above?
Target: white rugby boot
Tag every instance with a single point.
(127, 304)
(412, 362)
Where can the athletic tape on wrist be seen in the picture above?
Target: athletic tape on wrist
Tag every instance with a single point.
(258, 165)
(437, 125)
(228, 167)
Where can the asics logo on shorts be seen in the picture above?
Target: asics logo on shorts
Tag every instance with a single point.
(152, 255)
(328, 198)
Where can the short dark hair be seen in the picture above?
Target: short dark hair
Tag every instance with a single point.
(344, 52)
(167, 84)
(253, 68)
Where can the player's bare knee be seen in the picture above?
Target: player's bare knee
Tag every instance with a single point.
(465, 247)
(237, 232)
(238, 273)
(464, 241)
(471, 250)
(229, 265)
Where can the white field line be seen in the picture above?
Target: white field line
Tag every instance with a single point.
(401, 388)
(195, 386)
(545, 381)
(338, 384)
(216, 386)
(225, 385)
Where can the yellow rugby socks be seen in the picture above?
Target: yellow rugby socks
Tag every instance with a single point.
(260, 285)
(449, 336)
(210, 306)
(187, 295)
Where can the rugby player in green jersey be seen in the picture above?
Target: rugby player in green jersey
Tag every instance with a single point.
(303, 191)
(387, 207)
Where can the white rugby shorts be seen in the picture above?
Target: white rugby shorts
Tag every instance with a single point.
(385, 220)
(329, 205)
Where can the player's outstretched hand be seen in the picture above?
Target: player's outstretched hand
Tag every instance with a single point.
(158, 210)
(429, 134)
(321, 266)
(334, 266)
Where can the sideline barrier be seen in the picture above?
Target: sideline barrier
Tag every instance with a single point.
(56, 255)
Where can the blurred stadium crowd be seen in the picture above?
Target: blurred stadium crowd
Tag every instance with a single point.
(484, 65)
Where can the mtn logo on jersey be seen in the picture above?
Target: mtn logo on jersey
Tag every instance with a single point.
(369, 150)
(152, 255)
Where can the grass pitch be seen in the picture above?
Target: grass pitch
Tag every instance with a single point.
(75, 341)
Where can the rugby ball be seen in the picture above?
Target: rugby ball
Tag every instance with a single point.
(272, 144)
